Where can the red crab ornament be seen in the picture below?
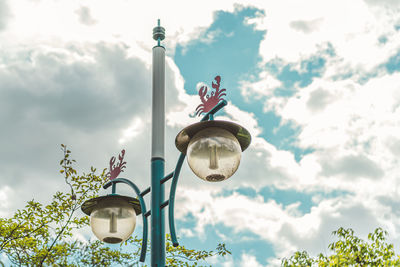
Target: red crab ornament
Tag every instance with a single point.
(115, 170)
(209, 101)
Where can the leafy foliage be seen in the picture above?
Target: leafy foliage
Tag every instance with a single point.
(42, 235)
(181, 256)
(350, 250)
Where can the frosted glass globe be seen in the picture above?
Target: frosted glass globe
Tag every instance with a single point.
(113, 221)
(214, 154)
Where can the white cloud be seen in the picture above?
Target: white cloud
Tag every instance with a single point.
(5, 193)
(84, 16)
(249, 261)
(4, 14)
(227, 261)
(264, 87)
(135, 128)
(350, 126)
(59, 96)
(351, 28)
(56, 22)
(332, 113)
(246, 119)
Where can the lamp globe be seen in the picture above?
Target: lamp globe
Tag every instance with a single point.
(214, 154)
(113, 220)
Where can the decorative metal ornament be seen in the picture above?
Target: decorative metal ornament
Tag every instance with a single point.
(115, 170)
(210, 101)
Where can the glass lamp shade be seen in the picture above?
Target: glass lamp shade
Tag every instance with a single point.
(214, 154)
(113, 221)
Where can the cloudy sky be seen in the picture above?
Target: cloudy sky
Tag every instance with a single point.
(317, 84)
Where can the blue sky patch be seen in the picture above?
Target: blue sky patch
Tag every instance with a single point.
(233, 53)
(239, 243)
(312, 67)
(393, 64)
(383, 39)
(285, 197)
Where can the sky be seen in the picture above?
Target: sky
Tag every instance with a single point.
(316, 83)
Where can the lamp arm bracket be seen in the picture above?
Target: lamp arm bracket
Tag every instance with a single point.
(147, 214)
(164, 204)
(145, 192)
(166, 178)
(163, 180)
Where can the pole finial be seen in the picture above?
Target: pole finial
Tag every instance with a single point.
(158, 33)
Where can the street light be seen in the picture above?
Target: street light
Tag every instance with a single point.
(112, 217)
(213, 148)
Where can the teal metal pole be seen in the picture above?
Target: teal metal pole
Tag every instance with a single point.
(157, 214)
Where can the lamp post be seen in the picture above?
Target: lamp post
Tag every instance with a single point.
(213, 149)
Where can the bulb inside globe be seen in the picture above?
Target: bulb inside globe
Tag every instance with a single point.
(214, 154)
(113, 221)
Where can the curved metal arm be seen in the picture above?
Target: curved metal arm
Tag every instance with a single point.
(143, 207)
(210, 115)
(172, 200)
